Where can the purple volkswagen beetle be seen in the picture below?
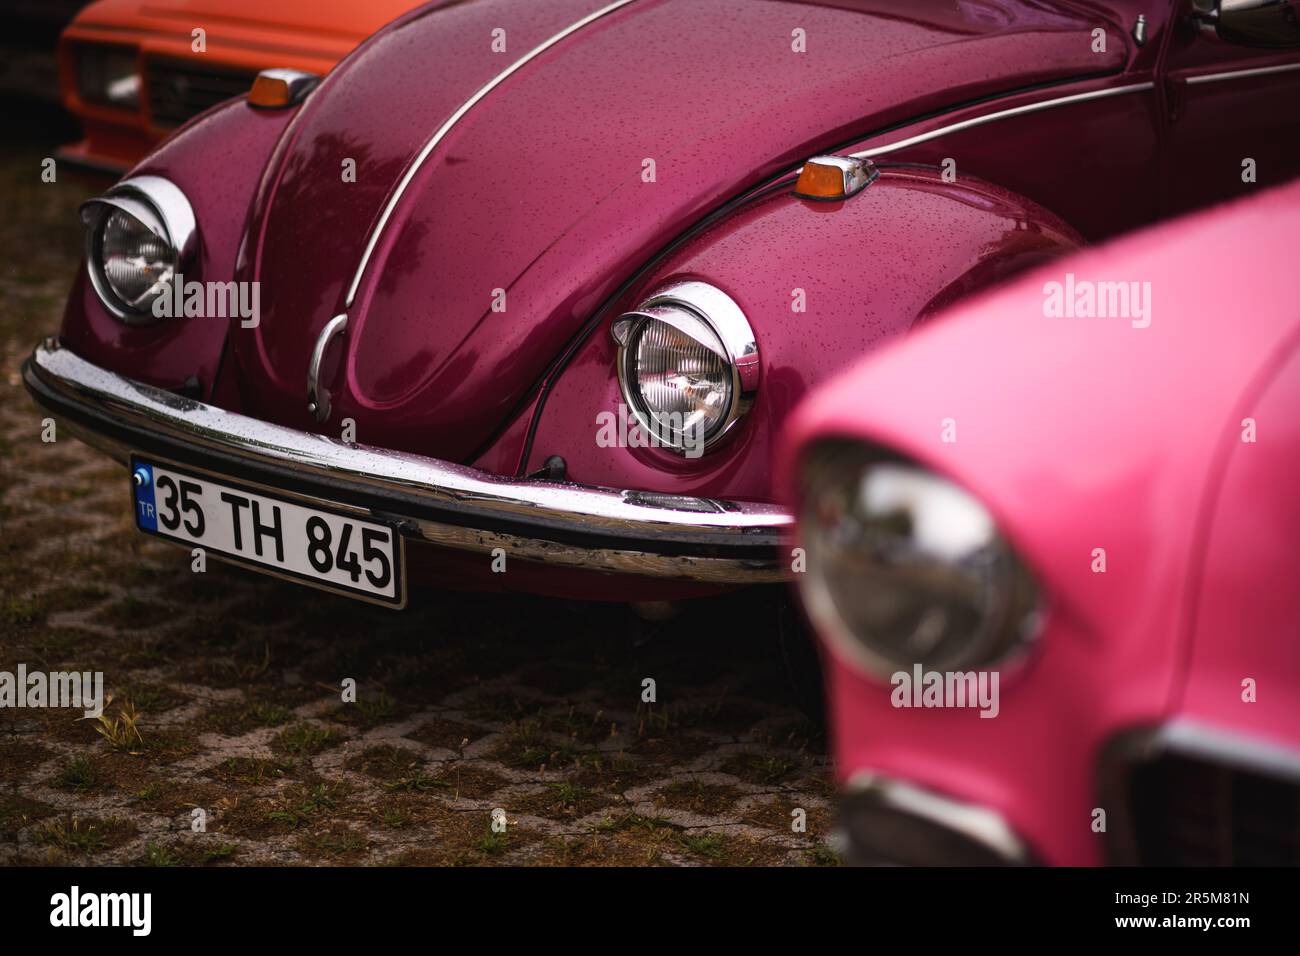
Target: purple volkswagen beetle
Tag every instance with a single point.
(538, 283)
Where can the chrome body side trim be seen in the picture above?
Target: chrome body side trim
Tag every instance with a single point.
(1000, 115)
(445, 128)
(1242, 74)
(607, 529)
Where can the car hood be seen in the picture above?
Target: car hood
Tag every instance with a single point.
(555, 186)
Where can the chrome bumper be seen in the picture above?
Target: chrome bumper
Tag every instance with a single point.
(449, 505)
(885, 821)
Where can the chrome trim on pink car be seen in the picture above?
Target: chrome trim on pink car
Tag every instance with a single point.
(1225, 749)
(446, 127)
(981, 828)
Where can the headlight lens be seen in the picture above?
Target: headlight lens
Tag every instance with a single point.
(108, 76)
(137, 236)
(138, 264)
(687, 365)
(905, 568)
(681, 377)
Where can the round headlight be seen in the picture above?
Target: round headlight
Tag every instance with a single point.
(137, 263)
(687, 365)
(906, 568)
(137, 235)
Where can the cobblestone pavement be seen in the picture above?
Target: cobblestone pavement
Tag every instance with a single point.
(466, 703)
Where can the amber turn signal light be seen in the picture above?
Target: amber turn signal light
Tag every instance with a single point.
(276, 89)
(832, 178)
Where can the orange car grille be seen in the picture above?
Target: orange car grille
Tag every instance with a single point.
(178, 90)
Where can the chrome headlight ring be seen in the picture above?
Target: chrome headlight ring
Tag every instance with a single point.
(713, 323)
(160, 207)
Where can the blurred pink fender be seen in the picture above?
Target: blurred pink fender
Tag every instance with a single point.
(1166, 690)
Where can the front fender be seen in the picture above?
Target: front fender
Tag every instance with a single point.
(216, 160)
(865, 271)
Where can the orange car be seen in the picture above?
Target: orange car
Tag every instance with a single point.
(133, 71)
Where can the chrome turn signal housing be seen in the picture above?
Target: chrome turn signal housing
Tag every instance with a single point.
(833, 178)
(280, 88)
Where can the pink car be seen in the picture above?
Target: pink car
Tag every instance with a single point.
(1052, 555)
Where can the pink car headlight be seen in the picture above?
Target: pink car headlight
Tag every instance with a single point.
(905, 567)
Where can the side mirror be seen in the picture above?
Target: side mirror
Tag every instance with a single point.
(1257, 23)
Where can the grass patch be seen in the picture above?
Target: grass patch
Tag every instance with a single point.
(77, 836)
(395, 819)
(634, 822)
(155, 855)
(305, 740)
(307, 803)
(391, 764)
(697, 797)
(336, 841)
(251, 771)
(708, 845)
(822, 855)
(234, 720)
(79, 775)
(493, 842)
(759, 768)
(568, 793)
(21, 612)
(186, 853)
(373, 711)
(131, 613)
(17, 812)
(122, 732)
(526, 747)
(152, 698)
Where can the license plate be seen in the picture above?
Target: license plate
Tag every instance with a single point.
(325, 547)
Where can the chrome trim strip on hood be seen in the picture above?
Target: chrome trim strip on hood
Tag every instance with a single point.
(634, 532)
(446, 127)
(1001, 114)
